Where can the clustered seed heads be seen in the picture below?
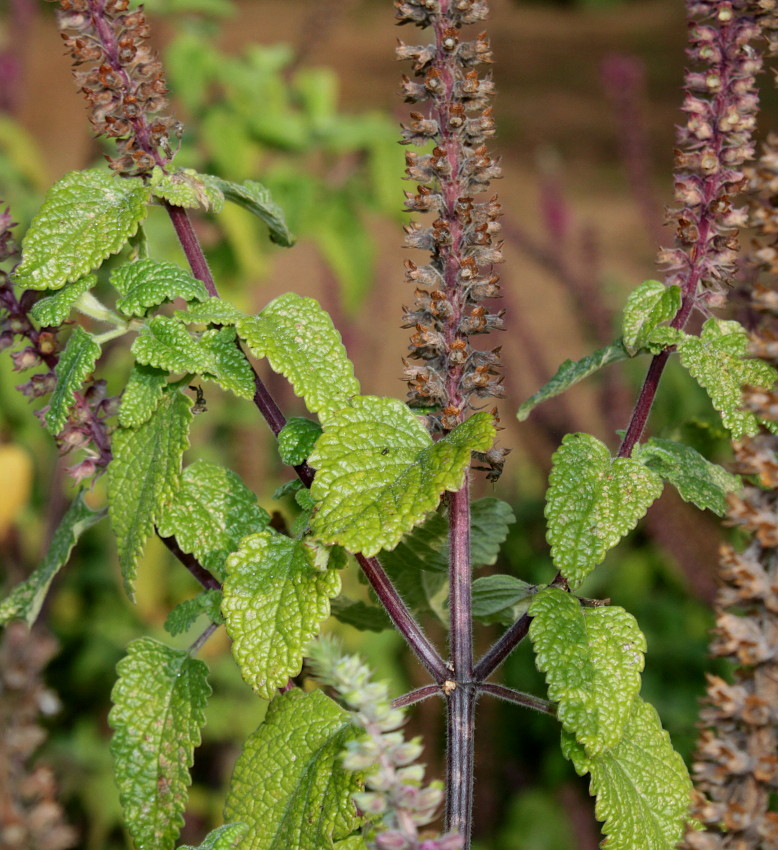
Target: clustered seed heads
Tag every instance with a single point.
(721, 104)
(450, 375)
(86, 428)
(121, 79)
(394, 798)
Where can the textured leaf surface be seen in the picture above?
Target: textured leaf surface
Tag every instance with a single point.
(697, 480)
(717, 361)
(289, 785)
(592, 658)
(148, 283)
(186, 188)
(158, 710)
(141, 395)
(379, 473)
(255, 198)
(663, 336)
(144, 476)
(593, 500)
(184, 615)
(296, 440)
(490, 521)
(227, 837)
(274, 602)
(86, 216)
(647, 306)
(75, 363)
(571, 372)
(501, 598)
(210, 514)
(25, 600)
(167, 344)
(53, 310)
(214, 310)
(360, 615)
(298, 338)
(642, 787)
(230, 369)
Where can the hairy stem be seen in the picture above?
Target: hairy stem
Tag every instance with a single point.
(460, 728)
(417, 695)
(526, 700)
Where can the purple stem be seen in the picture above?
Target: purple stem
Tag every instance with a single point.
(460, 759)
(460, 580)
(417, 695)
(191, 563)
(527, 700)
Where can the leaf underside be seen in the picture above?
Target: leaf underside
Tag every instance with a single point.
(148, 283)
(76, 362)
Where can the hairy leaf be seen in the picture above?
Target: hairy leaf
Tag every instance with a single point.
(592, 658)
(255, 198)
(186, 188)
(379, 473)
(360, 615)
(301, 343)
(501, 598)
(717, 360)
(158, 709)
(227, 837)
(75, 363)
(166, 344)
(697, 480)
(141, 395)
(289, 784)
(25, 600)
(571, 372)
(647, 306)
(148, 283)
(210, 514)
(274, 602)
(296, 440)
(184, 615)
(86, 216)
(593, 500)
(231, 370)
(144, 475)
(53, 310)
(213, 311)
(642, 786)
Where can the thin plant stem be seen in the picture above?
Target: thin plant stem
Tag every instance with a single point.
(198, 644)
(460, 729)
(526, 700)
(460, 585)
(417, 695)
(191, 563)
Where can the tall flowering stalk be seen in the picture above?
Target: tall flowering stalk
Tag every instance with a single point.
(453, 376)
(720, 104)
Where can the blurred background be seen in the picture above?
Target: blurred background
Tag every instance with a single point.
(303, 96)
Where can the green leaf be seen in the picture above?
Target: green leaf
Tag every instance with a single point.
(501, 599)
(592, 658)
(593, 500)
(663, 336)
(184, 615)
(25, 600)
(186, 188)
(642, 786)
(298, 338)
(490, 521)
(144, 476)
(227, 837)
(213, 311)
(289, 785)
(86, 216)
(231, 370)
(571, 372)
(717, 360)
(379, 473)
(255, 198)
(166, 344)
(647, 306)
(274, 602)
(158, 709)
(141, 395)
(148, 283)
(423, 548)
(697, 480)
(210, 514)
(360, 615)
(75, 363)
(52, 311)
(354, 842)
(296, 439)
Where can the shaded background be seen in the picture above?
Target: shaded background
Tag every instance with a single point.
(588, 94)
